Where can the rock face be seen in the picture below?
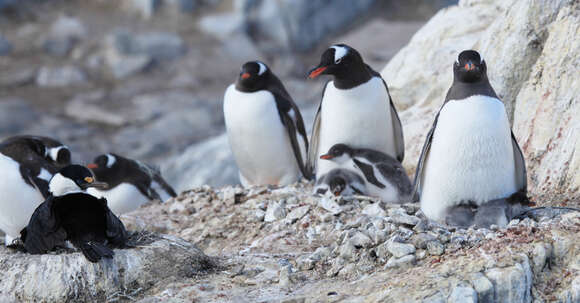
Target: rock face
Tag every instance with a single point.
(70, 277)
(532, 57)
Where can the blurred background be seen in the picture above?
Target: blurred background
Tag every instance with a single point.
(145, 78)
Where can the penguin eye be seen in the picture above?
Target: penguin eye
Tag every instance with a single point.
(337, 61)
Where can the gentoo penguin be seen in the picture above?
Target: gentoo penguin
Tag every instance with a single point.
(356, 109)
(470, 156)
(384, 176)
(130, 183)
(26, 164)
(265, 128)
(70, 214)
(340, 182)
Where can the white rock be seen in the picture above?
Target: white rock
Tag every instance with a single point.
(297, 213)
(330, 205)
(512, 284)
(463, 293)
(67, 75)
(374, 210)
(405, 261)
(399, 250)
(275, 211)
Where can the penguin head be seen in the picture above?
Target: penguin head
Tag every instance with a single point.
(337, 184)
(253, 76)
(71, 179)
(469, 67)
(59, 154)
(338, 60)
(338, 153)
(107, 167)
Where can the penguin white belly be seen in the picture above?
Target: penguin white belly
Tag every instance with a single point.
(122, 198)
(359, 117)
(471, 156)
(258, 139)
(18, 200)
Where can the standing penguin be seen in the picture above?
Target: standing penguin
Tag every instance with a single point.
(265, 128)
(70, 214)
(470, 156)
(27, 163)
(356, 109)
(130, 183)
(384, 176)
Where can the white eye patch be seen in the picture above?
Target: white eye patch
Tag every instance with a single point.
(110, 160)
(53, 152)
(339, 52)
(263, 68)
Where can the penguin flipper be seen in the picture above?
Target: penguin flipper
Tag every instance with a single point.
(289, 124)
(43, 232)
(166, 187)
(422, 159)
(95, 251)
(520, 169)
(115, 232)
(397, 126)
(315, 138)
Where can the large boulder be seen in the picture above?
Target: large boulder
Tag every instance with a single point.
(70, 277)
(532, 55)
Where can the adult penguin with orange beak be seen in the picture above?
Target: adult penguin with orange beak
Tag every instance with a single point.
(356, 109)
(265, 128)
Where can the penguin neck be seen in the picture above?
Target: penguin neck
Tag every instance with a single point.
(460, 90)
(352, 77)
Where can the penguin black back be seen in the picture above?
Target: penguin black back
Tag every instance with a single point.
(70, 214)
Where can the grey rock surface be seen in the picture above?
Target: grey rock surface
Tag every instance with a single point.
(62, 76)
(69, 277)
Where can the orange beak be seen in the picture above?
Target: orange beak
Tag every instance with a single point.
(315, 73)
(245, 75)
(92, 166)
(326, 157)
(469, 66)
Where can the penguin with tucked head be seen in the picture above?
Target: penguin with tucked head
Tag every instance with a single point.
(130, 183)
(384, 176)
(265, 128)
(356, 109)
(471, 161)
(340, 182)
(71, 214)
(27, 163)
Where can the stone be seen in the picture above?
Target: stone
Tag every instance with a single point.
(483, 287)
(15, 116)
(435, 248)
(374, 210)
(399, 250)
(422, 239)
(260, 215)
(540, 256)
(347, 251)
(191, 168)
(5, 46)
(72, 278)
(126, 66)
(462, 293)
(400, 216)
(297, 213)
(64, 33)
(297, 24)
(275, 212)
(222, 26)
(330, 205)
(513, 283)
(19, 77)
(360, 240)
(145, 8)
(63, 76)
(403, 262)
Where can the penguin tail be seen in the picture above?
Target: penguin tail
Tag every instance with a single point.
(95, 251)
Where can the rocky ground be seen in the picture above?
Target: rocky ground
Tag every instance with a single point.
(286, 245)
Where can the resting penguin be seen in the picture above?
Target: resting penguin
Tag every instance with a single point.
(470, 157)
(130, 183)
(340, 182)
(356, 109)
(27, 163)
(384, 176)
(265, 128)
(70, 214)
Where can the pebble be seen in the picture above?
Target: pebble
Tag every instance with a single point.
(405, 261)
(297, 213)
(275, 211)
(374, 210)
(360, 240)
(400, 216)
(435, 248)
(330, 205)
(399, 250)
